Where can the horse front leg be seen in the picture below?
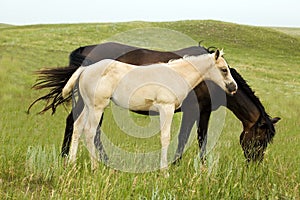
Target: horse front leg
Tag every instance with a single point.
(188, 120)
(166, 112)
(202, 132)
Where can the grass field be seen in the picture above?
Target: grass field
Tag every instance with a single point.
(290, 31)
(30, 165)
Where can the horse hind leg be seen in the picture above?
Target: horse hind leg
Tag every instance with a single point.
(65, 149)
(166, 117)
(98, 143)
(77, 131)
(92, 129)
(73, 116)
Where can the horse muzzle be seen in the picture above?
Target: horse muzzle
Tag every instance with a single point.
(231, 87)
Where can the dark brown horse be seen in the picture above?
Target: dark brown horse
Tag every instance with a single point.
(258, 126)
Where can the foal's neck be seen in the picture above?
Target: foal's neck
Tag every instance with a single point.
(192, 69)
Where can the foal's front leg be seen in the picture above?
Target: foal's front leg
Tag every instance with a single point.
(166, 112)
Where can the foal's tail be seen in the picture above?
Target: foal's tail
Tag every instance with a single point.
(71, 82)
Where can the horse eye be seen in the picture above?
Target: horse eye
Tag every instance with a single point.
(224, 70)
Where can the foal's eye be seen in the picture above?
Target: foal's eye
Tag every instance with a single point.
(224, 70)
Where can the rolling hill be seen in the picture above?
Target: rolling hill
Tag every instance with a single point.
(30, 167)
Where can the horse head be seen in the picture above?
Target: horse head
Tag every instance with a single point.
(226, 82)
(254, 140)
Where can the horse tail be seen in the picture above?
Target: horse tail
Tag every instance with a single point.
(54, 79)
(71, 82)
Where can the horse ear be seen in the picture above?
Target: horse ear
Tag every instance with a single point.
(222, 52)
(217, 54)
(275, 120)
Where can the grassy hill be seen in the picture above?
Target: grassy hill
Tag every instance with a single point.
(290, 31)
(30, 166)
(5, 25)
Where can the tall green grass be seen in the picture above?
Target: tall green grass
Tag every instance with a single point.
(30, 164)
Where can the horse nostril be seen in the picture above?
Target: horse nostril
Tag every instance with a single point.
(232, 87)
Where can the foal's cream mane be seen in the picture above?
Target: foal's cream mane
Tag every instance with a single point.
(188, 58)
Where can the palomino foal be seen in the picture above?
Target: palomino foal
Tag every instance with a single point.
(157, 87)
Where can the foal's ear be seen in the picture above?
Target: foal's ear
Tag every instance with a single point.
(217, 54)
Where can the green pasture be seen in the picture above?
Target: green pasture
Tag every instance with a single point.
(30, 163)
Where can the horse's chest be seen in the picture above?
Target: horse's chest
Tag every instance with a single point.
(142, 89)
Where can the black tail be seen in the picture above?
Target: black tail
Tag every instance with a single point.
(55, 79)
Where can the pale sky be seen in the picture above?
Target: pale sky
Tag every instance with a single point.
(253, 12)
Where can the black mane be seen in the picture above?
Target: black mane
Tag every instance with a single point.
(242, 83)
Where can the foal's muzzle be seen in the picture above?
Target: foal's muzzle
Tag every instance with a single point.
(231, 87)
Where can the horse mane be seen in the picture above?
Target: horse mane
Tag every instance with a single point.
(242, 84)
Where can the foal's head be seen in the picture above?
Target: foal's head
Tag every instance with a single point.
(220, 73)
(254, 140)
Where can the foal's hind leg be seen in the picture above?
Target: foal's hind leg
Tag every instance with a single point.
(166, 112)
(91, 130)
(77, 131)
(73, 116)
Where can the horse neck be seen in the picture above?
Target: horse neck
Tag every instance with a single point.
(244, 109)
(192, 69)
